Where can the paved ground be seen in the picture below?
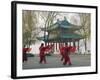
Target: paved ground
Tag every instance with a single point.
(54, 61)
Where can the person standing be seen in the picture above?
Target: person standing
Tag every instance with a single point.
(42, 53)
(66, 55)
(25, 54)
(62, 52)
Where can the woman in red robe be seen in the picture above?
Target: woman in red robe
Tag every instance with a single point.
(42, 53)
(24, 54)
(62, 52)
(66, 55)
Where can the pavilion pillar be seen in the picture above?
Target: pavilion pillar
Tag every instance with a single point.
(78, 45)
(59, 45)
(48, 43)
(63, 44)
(70, 43)
(45, 43)
(74, 43)
(66, 43)
(56, 46)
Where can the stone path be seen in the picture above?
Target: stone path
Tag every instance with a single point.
(54, 61)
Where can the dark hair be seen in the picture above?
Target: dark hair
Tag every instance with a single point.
(42, 44)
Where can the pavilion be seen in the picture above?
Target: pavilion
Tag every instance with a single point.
(61, 32)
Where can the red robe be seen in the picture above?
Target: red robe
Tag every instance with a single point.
(66, 55)
(62, 52)
(42, 54)
(24, 54)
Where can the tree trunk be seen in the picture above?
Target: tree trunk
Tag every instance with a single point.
(56, 46)
(85, 44)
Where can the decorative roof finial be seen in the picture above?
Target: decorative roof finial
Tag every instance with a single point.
(64, 18)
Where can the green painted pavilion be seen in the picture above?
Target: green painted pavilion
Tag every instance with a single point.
(61, 32)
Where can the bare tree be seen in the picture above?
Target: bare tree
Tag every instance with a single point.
(85, 26)
(29, 19)
(48, 17)
(85, 29)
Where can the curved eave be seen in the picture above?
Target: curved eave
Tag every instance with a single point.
(59, 25)
(73, 28)
(61, 38)
(71, 36)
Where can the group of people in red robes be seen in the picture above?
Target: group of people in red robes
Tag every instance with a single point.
(43, 51)
(64, 51)
(49, 49)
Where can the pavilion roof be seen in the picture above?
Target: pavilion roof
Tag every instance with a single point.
(65, 24)
(60, 38)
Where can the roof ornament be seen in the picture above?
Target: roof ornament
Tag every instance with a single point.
(65, 18)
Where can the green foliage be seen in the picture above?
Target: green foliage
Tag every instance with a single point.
(85, 31)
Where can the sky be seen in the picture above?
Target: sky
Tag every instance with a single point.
(71, 17)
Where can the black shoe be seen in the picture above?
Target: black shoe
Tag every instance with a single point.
(64, 63)
(70, 64)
